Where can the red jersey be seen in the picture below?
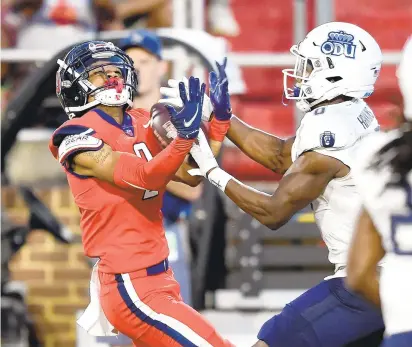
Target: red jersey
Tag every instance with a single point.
(123, 228)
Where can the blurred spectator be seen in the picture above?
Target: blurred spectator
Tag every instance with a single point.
(144, 13)
(51, 25)
(221, 18)
(14, 14)
(5, 81)
(145, 49)
(59, 23)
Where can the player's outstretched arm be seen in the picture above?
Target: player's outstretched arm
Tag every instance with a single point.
(268, 150)
(129, 171)
(306, 179)
(272, 152)
(364, 255)
(183, 176)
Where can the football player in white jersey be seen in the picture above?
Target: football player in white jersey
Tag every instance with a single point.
(384, 180)
(337, 65)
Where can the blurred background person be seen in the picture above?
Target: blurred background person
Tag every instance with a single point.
(145, 49)
(58, 23)
(221, 19)
(144, 13)
(14, 15)
(49, 25)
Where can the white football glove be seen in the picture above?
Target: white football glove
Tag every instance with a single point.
(171, 96)
(203, 156)
(206, 161)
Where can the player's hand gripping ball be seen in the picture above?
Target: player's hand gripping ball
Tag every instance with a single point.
(162, 126)
(187, 121)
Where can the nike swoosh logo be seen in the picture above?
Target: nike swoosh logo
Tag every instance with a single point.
(189, 123)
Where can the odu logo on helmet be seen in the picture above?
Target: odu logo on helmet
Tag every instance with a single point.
(339, 43)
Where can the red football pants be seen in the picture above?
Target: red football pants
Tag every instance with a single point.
(150, 310)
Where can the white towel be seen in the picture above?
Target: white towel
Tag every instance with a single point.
(93, 320)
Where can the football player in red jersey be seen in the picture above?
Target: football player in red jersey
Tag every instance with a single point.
(117, 172)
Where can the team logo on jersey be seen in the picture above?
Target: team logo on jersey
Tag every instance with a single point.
(339, 43)
(327, 139)
(129, 131)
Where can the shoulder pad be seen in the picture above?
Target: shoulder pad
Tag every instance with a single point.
(78, 142)
(323, 132)
(70, 129)
(71, 138)
(78, 125)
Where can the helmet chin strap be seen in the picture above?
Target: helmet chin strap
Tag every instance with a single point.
(306, 105)
(110, 97)
(303, 105)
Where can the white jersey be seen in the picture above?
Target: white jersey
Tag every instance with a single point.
(336, 131)
(389, 210)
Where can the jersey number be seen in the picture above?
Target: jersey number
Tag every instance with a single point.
(140, 148)
(401, 224)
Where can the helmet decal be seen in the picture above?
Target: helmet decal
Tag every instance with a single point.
(339, 43)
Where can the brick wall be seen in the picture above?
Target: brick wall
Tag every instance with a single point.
(56, 275)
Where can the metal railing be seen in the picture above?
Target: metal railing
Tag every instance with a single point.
(243, 59)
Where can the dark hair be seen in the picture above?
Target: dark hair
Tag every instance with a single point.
(398, 155)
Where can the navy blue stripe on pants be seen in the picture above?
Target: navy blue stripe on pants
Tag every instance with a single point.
(175, 335)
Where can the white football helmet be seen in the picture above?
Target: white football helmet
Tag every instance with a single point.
(334, 59)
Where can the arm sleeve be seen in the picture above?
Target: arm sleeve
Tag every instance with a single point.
(133, 172)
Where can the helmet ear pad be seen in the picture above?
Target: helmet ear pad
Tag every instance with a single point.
(74, 95)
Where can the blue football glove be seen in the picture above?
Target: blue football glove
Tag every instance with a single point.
(219, 93)
(187, 121)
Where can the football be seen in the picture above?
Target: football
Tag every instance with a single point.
(162, 126)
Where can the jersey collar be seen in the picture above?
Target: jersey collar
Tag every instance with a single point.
(126, 126)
